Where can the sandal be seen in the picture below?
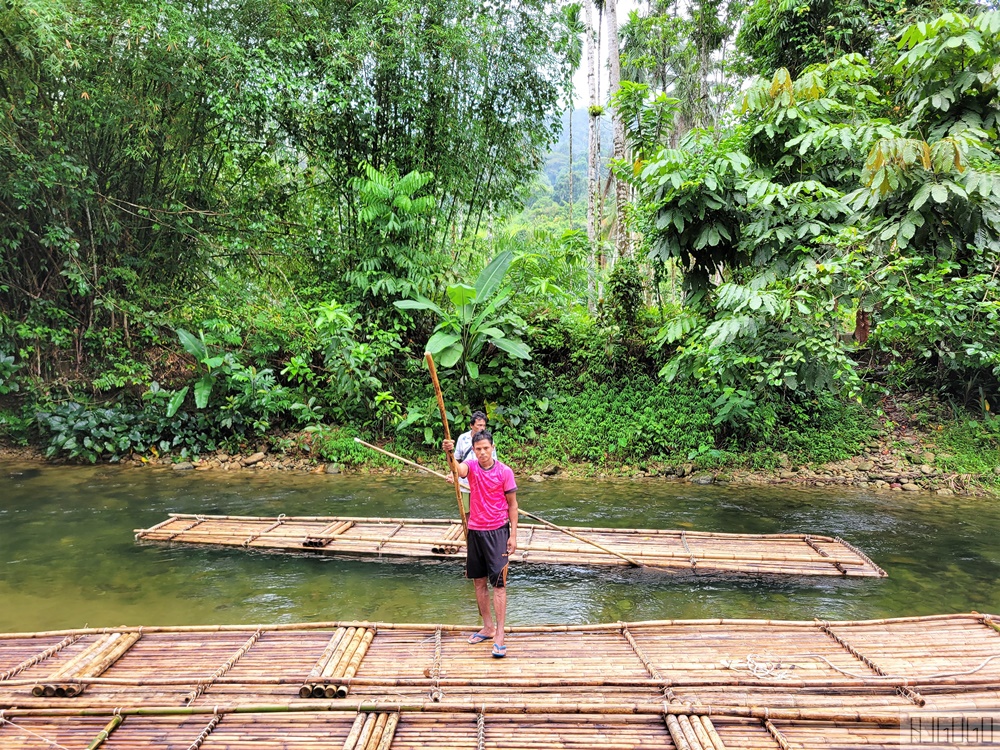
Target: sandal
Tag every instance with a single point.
(499, 651)
(478, 638)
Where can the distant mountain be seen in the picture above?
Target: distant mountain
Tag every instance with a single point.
(555, 172)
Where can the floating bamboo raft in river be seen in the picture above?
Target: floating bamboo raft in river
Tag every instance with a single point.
(688, 685)
(681, 551)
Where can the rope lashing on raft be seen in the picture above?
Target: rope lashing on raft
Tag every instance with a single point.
(210, 727)
(764, 666)
(436, 693)
(481, 730)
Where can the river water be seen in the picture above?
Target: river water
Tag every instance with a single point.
(68, 558)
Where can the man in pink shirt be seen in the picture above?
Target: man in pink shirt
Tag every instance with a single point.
(492, 533)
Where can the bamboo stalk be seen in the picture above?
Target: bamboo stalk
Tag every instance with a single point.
(447, 436)
(717, 742)
(689, 734)
(676, 733)
(85, 656)
(308, 685)
(49, 687)
(366, 732)
(389, 732)
(111, 655)
(804, 625)
(336, 669)
(355, 662)
(99, 665)
(352, 736)
(106, 732)
(376, 735)
(889, 719)
(873, 685)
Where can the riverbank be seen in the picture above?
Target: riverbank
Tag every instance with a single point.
(908, 461)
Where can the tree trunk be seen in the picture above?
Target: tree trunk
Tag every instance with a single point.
(571, 160)
(622, 243)
(593, 150)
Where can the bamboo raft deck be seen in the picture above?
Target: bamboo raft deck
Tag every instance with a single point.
(686, 685)
(690, 552)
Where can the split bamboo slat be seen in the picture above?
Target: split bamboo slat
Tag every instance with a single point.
(668, 550)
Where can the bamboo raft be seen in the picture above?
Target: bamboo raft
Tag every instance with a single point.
(686, 685)
(690, 552)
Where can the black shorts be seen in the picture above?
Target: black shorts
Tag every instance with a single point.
(487, 555)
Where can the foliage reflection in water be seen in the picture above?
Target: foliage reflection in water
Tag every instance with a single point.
(67, 555)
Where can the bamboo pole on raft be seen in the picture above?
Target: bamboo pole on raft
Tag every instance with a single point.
(447, 436)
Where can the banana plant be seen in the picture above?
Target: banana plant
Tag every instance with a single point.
(211, 367)
(476, 323)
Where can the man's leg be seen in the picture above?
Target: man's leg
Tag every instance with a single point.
(500, 605)
(483, 602)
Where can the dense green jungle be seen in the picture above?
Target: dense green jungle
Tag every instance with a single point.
(765, 238)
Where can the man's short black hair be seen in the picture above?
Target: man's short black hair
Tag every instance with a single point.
(477, 415)
(482, 435)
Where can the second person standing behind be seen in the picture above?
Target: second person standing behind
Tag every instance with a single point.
(463, 446)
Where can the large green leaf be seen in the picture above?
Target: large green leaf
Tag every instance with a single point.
(440, 341)
(492, 275)
(450, 356)
(176, 400)
(202, 390)
(418, 304)
(193, 345)
(461, 294)
(473, 369)
(514, 347)
(496, 303)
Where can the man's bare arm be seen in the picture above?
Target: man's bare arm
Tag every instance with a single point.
(512, 512)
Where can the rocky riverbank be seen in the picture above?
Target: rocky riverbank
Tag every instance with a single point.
(907, 463)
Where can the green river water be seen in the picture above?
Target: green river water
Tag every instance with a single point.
(68, 558)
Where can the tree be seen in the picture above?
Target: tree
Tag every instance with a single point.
(623, 243)
(112, 178)
(682, 53)
(594, 111)
(571, 46)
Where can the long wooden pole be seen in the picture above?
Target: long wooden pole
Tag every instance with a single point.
(447, 436)
(566, 531)
(520, 510)
(973, 618)
(407, 461)
(843, 715)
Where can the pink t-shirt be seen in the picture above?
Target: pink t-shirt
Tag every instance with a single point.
(488, 502)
